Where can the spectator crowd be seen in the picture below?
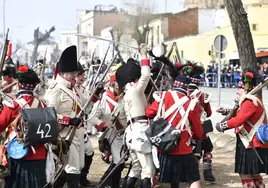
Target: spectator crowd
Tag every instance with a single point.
(230, 75)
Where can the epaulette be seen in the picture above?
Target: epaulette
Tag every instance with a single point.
(53, 85)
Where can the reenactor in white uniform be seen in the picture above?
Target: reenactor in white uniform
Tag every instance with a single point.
(89, 153)
(132, 80)
(109, 113)
(64, 98)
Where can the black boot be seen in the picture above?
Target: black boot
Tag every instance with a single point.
(207, 168)
(116, 176)
(145, 183)
(73, 180)
(130, 182)
(83, 177)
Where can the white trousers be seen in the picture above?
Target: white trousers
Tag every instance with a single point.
(75, 159)
(88, 145)
(142, 163)
(116, 147)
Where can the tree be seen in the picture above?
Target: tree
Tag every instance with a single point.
(39, 38)
(116, 34)
(55, 55)
(242, 34)
(139, 15)
(18, 47)
(135, 25)
(137, 18)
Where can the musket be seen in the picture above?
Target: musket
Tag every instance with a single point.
(107, 40)
(70, 136)
(254, 91)
(8, 86)
(100, 66)
(81, 113)
(161, 70)
(92, 59)
(112, 171)
(4, 51)
(89, 69)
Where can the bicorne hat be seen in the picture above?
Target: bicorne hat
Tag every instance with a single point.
(80, 68)
(68, 61)
(129, 72)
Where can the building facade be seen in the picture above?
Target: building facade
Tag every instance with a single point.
(200, 47)
(68, 38)
(92, 24)
(181, 24)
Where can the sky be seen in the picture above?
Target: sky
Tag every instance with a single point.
(23, 16)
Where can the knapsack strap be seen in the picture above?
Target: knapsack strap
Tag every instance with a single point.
(178, 103)
(25, 104)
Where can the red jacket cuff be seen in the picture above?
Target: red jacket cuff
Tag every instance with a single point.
(145, 62)
(101, 126)
(65, 120)
(94, 99)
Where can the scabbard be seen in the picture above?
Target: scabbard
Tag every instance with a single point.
(256, 152)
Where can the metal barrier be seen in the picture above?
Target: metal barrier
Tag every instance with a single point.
(227, 79)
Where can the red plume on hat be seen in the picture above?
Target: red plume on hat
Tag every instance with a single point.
(56, 72)
(22, 69)
(248, 79)
(9, 50)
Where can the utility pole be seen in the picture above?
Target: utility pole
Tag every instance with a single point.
(165, 6)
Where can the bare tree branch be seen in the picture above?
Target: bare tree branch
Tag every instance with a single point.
(38, 39)
(117, 39)
(18, 47)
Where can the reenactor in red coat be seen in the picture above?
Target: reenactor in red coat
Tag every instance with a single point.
(248, 119)
(180, 165)
(29, 171)
(205, 147)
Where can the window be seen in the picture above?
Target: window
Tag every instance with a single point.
(255, 27)
(68, 40)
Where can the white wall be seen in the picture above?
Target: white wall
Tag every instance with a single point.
(205, 20)
(68, 38)
(103, 45)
